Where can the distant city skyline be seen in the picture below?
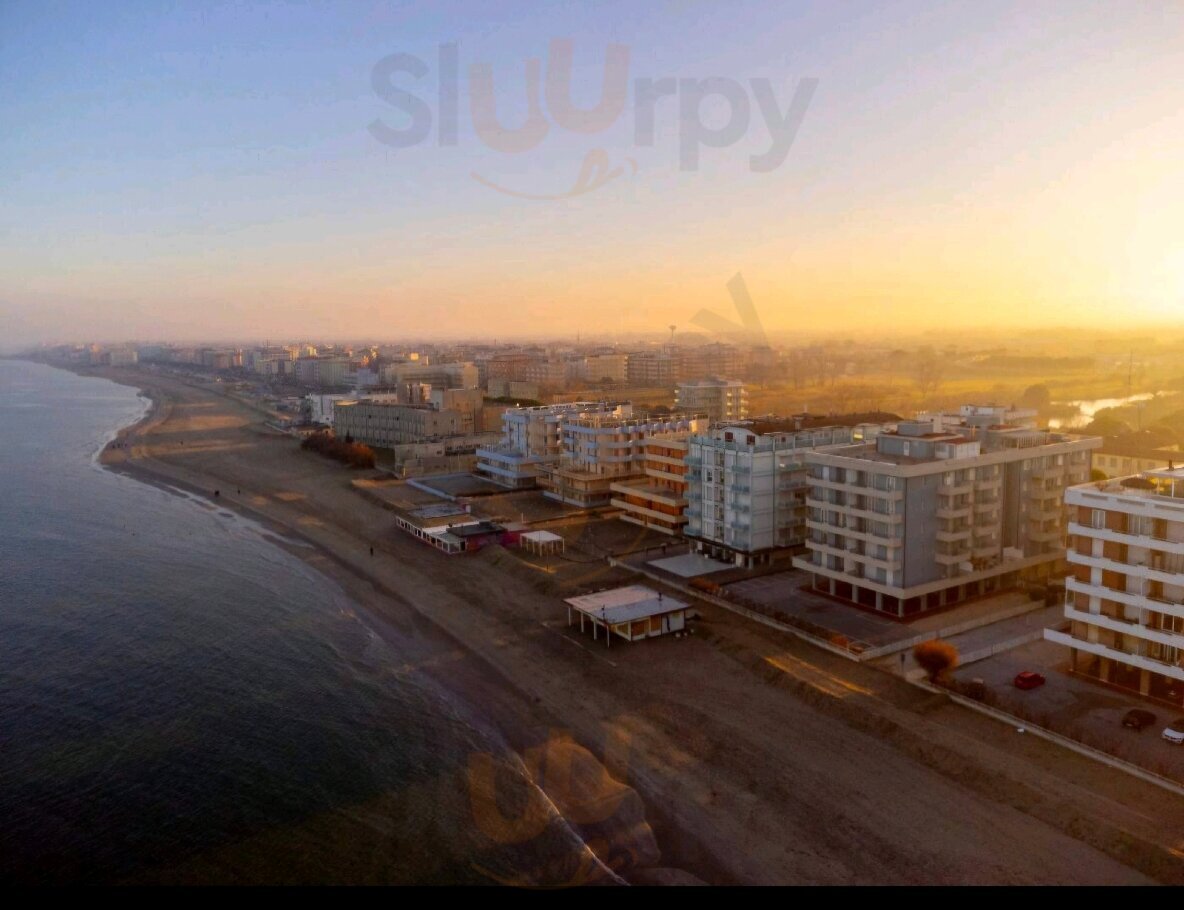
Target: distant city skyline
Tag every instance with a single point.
(210, 171)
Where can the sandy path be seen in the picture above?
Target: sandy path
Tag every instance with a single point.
(760, 759)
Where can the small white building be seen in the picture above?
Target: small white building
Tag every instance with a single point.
(634, 612)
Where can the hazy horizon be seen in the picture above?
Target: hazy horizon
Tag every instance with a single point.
(193, 172)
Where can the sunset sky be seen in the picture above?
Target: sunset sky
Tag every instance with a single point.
(202, 170)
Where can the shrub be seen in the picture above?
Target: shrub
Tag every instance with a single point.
(935, 657)
(348, 452)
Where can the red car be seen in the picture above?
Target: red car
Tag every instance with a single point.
(1028, 680)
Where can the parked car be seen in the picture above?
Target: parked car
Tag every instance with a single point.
(1028, 679)
(1137, 719)
(1174, 732)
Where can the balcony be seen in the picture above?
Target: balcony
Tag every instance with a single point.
(1045, 535)
(958, 489)
(950, 512)
(1126, 627)
(1134, 660)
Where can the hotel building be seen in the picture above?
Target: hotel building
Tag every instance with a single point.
(602, 449)
(533, 437)
(1124, 601)
(746, 489)
(933, 513)
(657, 500)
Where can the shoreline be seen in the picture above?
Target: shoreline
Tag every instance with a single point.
(707, 757)
(476, 689)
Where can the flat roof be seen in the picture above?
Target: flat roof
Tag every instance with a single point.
(437, 510)
(620, 605)
(541, 536)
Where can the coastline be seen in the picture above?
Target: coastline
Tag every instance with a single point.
(517, 712)
(691, 763)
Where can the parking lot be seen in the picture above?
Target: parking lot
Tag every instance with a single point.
(1077, 707)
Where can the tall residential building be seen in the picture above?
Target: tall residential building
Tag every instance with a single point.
(746, 489)
(600, 449)
(532, 437)
(657, 500)
(1124, 602)
(719, 399)
(932, 513)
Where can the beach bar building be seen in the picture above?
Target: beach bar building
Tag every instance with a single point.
(633, 612)
(542, 543)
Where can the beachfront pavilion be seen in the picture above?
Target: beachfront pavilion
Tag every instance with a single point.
(633, 612)
(541, 543)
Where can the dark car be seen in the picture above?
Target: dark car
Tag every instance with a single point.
(1028, 680)
(1137, 719)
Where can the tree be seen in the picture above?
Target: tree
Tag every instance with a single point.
(1037, 397)
(935, 657)
(1095, 474)
(927, 371)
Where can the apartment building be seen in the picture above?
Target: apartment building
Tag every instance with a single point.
(720, 399)
(323, 372)
(461, 375)
(652, 368)
(533, 437)
(602, 449)
(932, 513)
(386, 424)
(656, 500)
(598, 367)
(746, 488)
(1124, 601)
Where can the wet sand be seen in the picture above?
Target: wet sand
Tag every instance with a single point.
(758, 758)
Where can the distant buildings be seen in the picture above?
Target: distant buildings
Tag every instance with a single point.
(1125, 598)
(746, 489)
(720, 399)
(937, 511)
(1119, 457)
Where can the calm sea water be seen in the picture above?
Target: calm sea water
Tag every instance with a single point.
(180, 699)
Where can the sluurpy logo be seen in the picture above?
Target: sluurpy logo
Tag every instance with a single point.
(550, 105)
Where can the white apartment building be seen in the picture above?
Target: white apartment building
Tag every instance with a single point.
(930, 514)
(532, 437)
(746, 489)
(723, 400)
(600, 449)
(1124, 602)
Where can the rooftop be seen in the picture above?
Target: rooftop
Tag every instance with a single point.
(620, 605)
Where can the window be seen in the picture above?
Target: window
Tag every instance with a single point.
(1097, 518)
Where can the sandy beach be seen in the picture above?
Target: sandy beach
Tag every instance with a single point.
(757, 759)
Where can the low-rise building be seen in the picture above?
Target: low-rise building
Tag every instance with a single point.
(385, 424)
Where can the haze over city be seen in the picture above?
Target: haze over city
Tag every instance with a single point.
(196, 171)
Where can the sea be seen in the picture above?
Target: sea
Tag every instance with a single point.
(184, 700)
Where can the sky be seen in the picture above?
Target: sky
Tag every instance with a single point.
(202, 170)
